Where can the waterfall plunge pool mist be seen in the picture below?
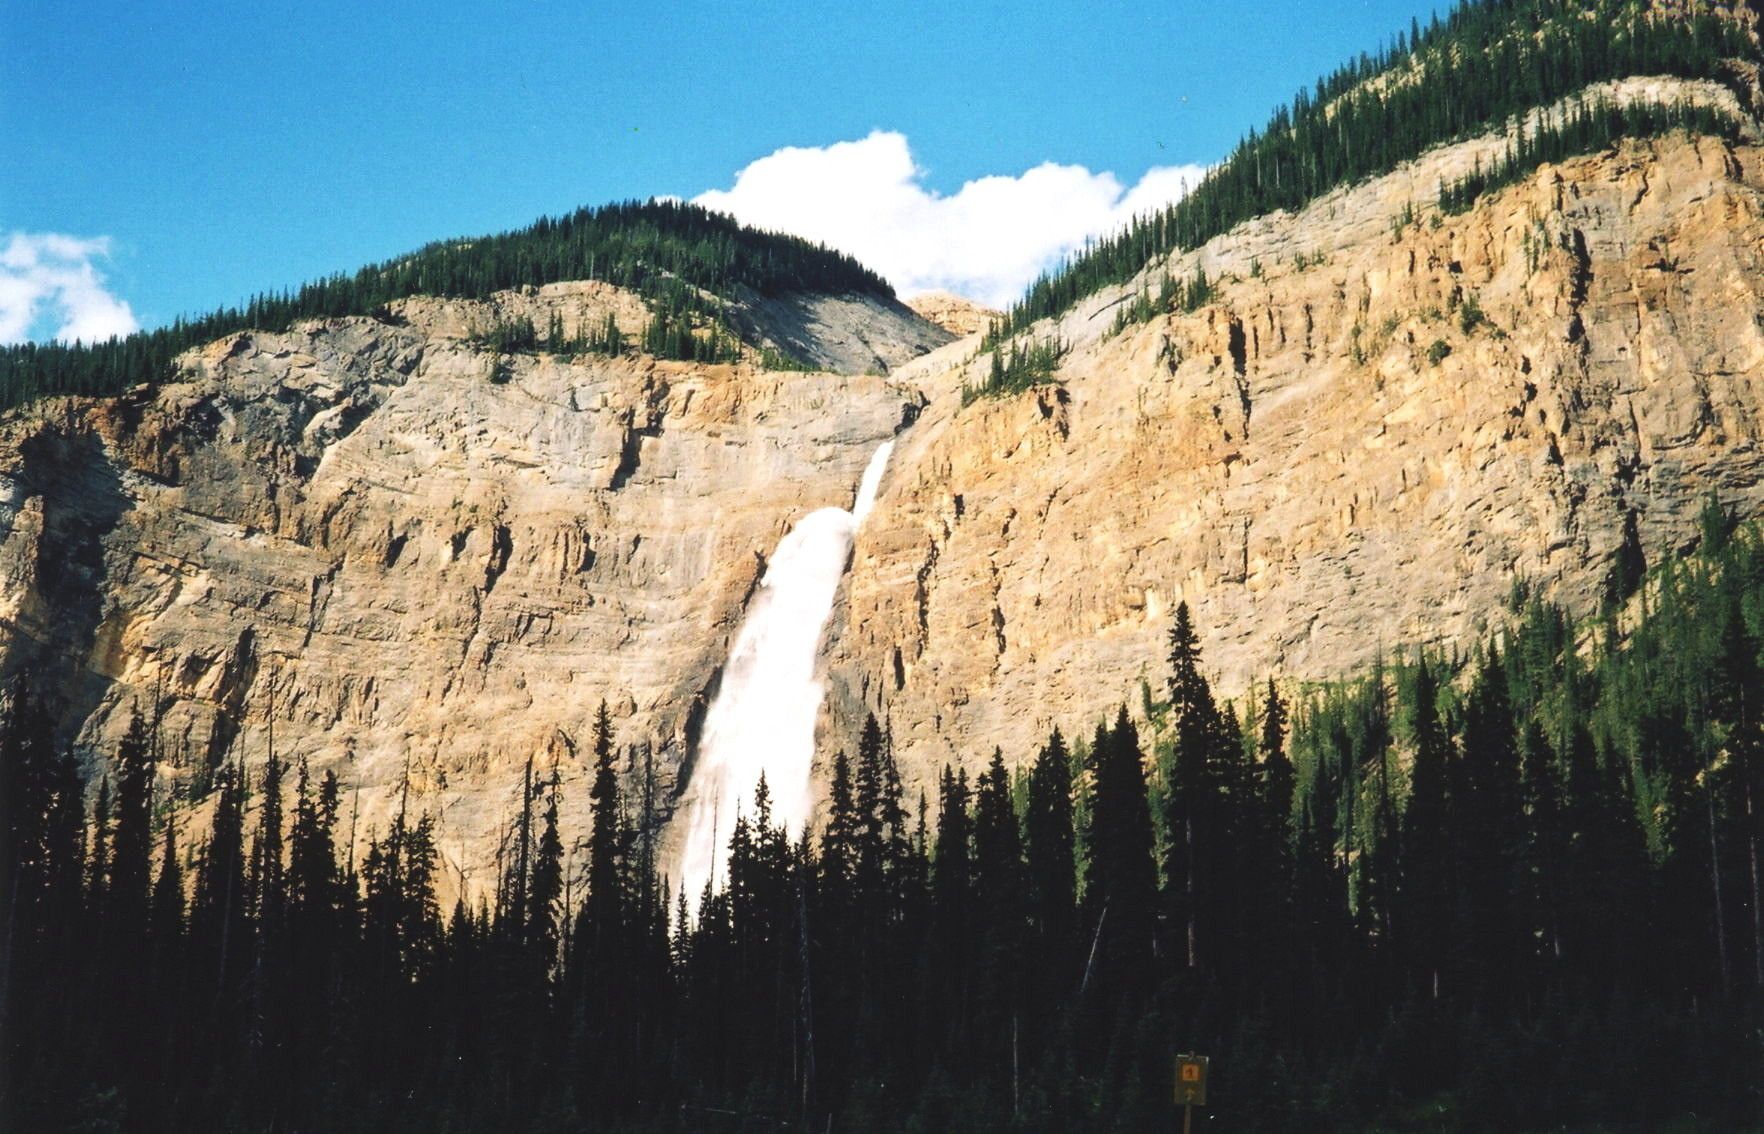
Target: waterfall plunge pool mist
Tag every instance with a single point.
(763, 717)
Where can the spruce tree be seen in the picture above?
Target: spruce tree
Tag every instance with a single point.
(952, 901)
(545, 891)
(1198, 798)
(1121, 876)
(602, 919)
(1049, 840)
(1491, 851)
(839, 842)
(218, 922)
(1001, 921)
(98, 864)
(314, 877)
(600, 933)
(130, 872)
(1279, 782)
(1429, 877)
(168, 894)
(268, 866)
(1546, 848)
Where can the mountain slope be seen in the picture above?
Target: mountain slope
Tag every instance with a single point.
(1367, 421)
(1301, 462)
(1485, 63)
(689, 265)
(412, 551)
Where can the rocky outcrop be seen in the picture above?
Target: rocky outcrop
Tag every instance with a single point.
(1374, 431)
(417, 557)
(853, 334)
(407, 551)
(960, 317)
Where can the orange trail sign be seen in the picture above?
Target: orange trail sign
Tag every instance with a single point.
(1191, 1080)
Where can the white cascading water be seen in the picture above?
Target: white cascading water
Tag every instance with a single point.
(763, 718)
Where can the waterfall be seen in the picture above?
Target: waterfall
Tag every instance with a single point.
(763, 718)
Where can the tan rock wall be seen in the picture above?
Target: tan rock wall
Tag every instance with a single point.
(406, 554)
(1289, 461)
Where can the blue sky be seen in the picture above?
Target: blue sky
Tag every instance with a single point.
(193, 153)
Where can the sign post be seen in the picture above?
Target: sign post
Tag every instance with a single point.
(1191, 1087)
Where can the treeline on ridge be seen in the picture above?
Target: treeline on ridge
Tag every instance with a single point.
(1488, 62)
(1518, 889)
(674, 253)
(1582, 127)
(1579, 127)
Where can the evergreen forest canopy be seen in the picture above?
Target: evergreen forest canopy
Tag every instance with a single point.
(1516, 890)
(679, 256)
(1484, 65)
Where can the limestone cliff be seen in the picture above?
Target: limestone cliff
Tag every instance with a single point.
(954, 314)
(1374, 429)
(404, 549)
(409, 552)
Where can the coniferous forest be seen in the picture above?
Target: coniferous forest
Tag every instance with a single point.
(1480, 68)
(1514, 886)
(682, 258)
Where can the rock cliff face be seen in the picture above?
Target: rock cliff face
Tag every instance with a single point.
(407, 552)
(1370, 434)
(402, 549)
(954, 314)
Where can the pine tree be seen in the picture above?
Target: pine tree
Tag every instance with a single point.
(1429, 876)
(268, 866)
(126, 895)
(218, 925)
(1121, 876)
(1491, 807)
(168, 894)
(545, 892)
(98, 865)
(1001, 920)
(952, 900)
(602, 919)
(1197, 802)
(314, 879)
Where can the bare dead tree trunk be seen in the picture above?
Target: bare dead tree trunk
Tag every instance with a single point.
(1095, 942)
(1188, 887)
(1752, 852)
(1715, 879)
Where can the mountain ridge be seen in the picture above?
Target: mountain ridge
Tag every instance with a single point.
(420, 553)
(684, 260)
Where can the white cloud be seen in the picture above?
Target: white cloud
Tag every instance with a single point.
(986, 241)
(51, 280)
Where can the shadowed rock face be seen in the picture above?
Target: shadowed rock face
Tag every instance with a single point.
(406, 552)
(63, 501)
(399, 547)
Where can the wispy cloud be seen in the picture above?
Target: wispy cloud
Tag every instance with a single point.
(51, 287)
(986, 241)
